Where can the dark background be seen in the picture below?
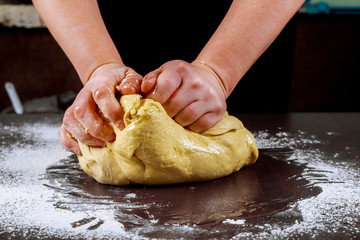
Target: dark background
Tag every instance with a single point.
(313, 66)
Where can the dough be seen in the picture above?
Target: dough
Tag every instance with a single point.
(153, 149)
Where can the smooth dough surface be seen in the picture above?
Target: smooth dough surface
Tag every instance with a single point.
(153, 149)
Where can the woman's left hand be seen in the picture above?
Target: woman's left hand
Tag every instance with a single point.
(191, 93)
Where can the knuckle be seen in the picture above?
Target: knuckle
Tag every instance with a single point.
(178, 66)
(183, 67)
(219, 108)
(176, 62)
(80, 111)
(196, 83)
(211, 94)
(100, 93)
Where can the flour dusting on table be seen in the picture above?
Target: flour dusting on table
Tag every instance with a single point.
(336, 210)
(26, 205)
(34, 206)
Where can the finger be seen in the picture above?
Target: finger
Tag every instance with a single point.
(177, 103)
(182, 98)
(105, 99)
(93, 123)
(167, 82)
(78, 131)
(190, 114)
(205, 122)
(186, 94)
(131, 83)
(196, 111)
(149, 81)
(67, 141)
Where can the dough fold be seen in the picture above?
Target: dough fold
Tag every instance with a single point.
(153, 149)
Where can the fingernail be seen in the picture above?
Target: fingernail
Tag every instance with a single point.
(131, 88)
(128, 85)
(121, 125)
(110, 137)
(75, 150)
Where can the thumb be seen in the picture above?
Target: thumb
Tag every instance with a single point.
(149, 82)
(131, 83)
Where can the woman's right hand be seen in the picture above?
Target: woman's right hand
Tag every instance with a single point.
(82, 121)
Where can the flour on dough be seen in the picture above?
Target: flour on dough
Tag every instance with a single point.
(153, 149)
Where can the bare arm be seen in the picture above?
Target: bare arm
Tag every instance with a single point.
(80, 31)
(194, 94)
(247, 30)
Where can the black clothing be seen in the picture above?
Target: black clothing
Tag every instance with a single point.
(150, 33)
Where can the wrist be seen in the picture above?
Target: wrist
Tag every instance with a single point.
(103, 67)
(215, 74)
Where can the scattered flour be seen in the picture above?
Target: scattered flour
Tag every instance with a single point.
(335, 211)
(130, 195)
(232, 221)
(25, 204)
(27, 207)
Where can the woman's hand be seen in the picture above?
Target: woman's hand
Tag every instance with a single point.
(82, 121)
(192, 94)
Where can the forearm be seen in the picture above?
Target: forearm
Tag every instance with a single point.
(79, 29)
(248, 28)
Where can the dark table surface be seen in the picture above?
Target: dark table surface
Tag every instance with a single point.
(305, 184)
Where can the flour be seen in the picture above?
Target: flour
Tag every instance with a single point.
(336, 210)
(29, 208)
(232, 221)
(130, 195)
(25, 204)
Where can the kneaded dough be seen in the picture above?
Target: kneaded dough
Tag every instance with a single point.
(153, 149)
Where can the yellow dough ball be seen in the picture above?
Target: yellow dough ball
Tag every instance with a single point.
(153, 149)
